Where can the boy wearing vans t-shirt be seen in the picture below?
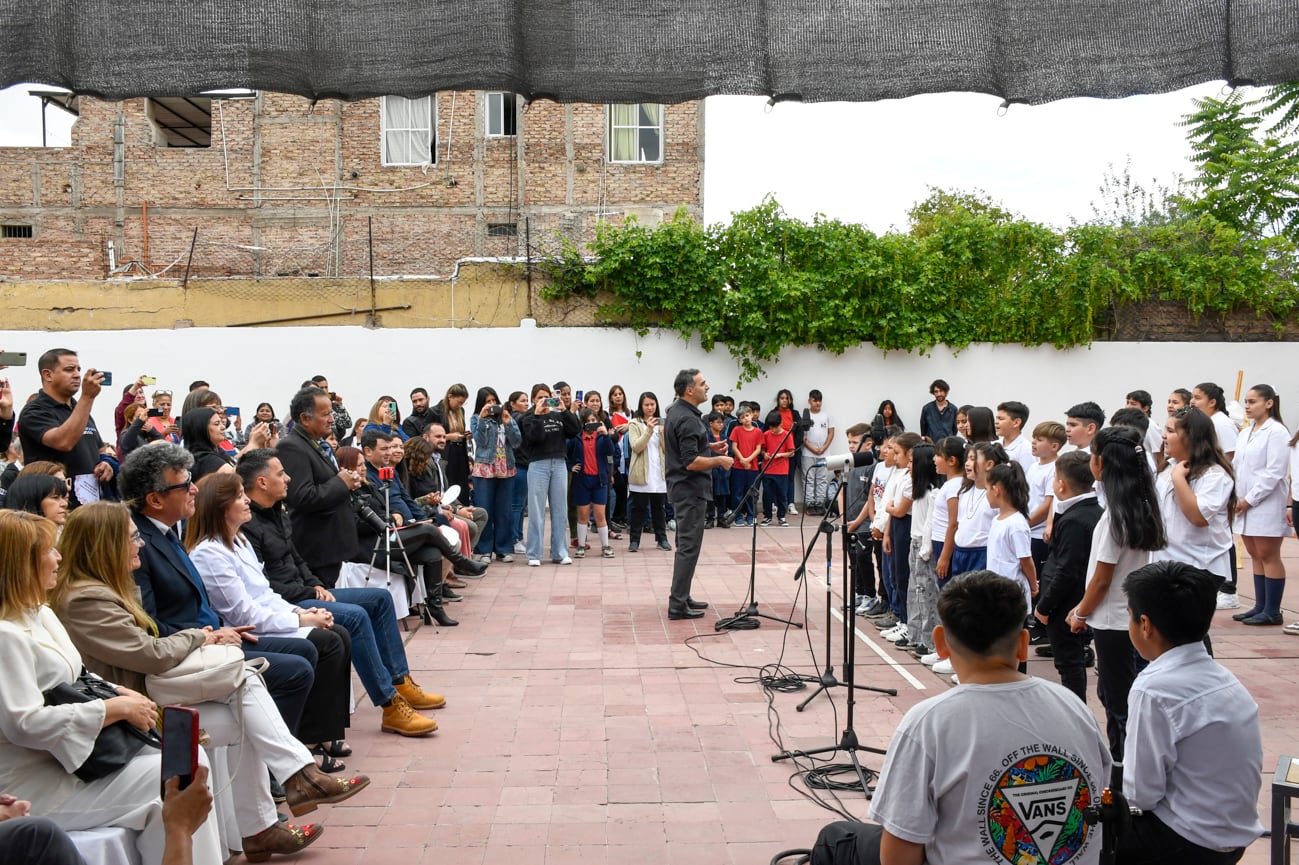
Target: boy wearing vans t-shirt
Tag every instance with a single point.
(1012, 786)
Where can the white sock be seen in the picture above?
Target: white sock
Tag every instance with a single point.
(581, 534)
(604, 535)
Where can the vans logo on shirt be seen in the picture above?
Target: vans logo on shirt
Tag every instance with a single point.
(1032, 809)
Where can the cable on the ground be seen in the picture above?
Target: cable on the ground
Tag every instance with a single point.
(824, 778)
(804, 856)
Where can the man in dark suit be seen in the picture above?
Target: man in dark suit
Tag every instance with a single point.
(155, 482)
(320, 494)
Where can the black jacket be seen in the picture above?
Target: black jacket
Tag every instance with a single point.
(546, 435)
(416, 422)
(271, 535)
(320, 504)
(1064, 574)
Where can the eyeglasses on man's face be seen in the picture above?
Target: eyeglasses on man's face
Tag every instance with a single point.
(183, 485)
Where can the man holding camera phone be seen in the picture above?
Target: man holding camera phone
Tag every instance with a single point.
(55, 426)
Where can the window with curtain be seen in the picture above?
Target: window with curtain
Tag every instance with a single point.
(502, 119)
(636, 133)
(409, 130)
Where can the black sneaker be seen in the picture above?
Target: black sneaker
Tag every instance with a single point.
(766, 521)
(1045, 651)
(1089, 657)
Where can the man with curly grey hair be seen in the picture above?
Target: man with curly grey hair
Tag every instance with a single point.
(155, 483)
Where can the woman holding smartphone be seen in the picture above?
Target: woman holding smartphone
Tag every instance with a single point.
(646, 477)
(546, 430)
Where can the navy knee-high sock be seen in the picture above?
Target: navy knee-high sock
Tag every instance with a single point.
(1260, 594)
(1275, 589)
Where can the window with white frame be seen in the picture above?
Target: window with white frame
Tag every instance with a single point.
(636, 132)
(502, 116)
(409, 130)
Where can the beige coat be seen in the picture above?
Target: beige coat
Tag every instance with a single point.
(113, 645)
(638, 439)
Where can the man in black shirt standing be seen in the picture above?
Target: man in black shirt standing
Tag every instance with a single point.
(56, 427)
(690, 461)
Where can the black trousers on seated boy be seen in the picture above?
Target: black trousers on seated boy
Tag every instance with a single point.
(1151, 842)
(848, 843)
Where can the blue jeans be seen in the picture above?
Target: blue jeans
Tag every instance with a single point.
(377, 651)
(548, 481)
(518, 499)
(493, 495)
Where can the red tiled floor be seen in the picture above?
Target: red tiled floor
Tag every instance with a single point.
(581, 729)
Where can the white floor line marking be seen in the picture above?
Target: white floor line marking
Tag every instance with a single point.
(901, 670)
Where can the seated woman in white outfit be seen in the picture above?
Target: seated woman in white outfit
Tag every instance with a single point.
(41, 746)
(97, 600)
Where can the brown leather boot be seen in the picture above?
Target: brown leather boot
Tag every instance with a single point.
(400, 718)
(417, 696)
(454, 582)
(283, 839)
(309, 788)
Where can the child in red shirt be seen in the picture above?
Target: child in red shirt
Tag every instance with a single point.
(746, 447)
(779, 447)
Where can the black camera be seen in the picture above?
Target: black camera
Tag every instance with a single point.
(494, 411)
(370, 516)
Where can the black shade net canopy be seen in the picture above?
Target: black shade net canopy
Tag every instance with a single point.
(1030, 51)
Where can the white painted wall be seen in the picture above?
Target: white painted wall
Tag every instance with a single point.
(249, 365)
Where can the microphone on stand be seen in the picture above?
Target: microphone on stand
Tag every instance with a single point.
(849, 460)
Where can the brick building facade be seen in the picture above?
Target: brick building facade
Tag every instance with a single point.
(267, 185)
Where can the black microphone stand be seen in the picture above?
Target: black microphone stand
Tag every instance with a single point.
(746, 619)
(827, 678)
(848, 742)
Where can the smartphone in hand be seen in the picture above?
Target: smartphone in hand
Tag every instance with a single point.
(179, 745)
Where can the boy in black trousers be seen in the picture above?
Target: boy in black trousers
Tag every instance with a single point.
(1064, 576)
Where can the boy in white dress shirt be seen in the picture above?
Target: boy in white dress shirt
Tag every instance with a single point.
(1193, 759)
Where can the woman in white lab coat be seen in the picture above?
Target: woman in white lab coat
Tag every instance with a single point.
(41, 746)
(1262, 494)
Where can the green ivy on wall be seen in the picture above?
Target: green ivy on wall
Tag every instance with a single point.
(966, 271)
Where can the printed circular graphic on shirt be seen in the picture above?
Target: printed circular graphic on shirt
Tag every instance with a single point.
(1034, 810)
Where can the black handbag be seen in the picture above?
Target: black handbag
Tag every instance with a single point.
(117, 744)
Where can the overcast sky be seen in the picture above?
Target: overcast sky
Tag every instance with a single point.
(870, 162)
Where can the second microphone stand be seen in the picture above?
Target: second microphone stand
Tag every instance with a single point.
(848, 741)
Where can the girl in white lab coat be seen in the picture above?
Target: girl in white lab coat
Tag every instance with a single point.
(1261, 463)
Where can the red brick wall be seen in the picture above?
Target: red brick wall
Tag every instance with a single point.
(319, 180)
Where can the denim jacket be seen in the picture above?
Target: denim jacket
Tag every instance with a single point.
(484, 433)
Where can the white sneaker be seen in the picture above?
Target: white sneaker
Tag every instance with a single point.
(521, 548)
(1228, 602)
(534, 563)
(565, 561)
(901, 634)
(930, 659)
(1292, 629)
(672, 525)
(793, 510)
(943, 667)
(892, 633)
(864, 603)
